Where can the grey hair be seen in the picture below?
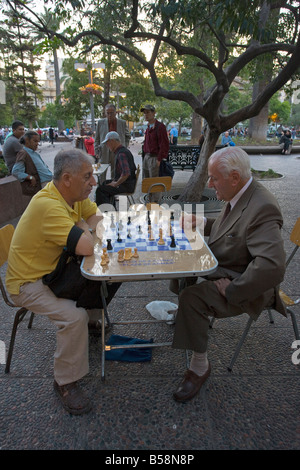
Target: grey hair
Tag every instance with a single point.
(110, 105)
(27, 135)
(232, 158)
(69, 161)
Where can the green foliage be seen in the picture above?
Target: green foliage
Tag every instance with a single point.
(19, 70)
(3, 169)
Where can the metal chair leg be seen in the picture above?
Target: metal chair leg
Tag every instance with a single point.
(270, 316)
(294, 322)
(18, 318)
(187, 360)
(240, 344)
(30, 320)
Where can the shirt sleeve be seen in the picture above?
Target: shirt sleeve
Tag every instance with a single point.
(18, 171)
(163, 142)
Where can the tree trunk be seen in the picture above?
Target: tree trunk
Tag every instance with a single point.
(196, 128)
(194, 189)
(258, 125)
(56, 73)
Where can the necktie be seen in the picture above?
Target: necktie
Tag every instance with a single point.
(227, 210)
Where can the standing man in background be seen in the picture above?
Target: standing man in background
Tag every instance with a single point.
(109, 124)
(12, 144)
(173, 136)
(156, 146)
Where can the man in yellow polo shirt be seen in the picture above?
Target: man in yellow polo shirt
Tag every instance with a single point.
(58, 211)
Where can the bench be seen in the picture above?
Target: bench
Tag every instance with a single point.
(185, 157)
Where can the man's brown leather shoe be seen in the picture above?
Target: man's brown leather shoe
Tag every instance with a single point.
(190, 385)
(73, 398)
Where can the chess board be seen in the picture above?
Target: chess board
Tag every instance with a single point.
(137, 232)
(142, 234)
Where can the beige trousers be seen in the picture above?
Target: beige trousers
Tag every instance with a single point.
(151, 170)
(71, 355)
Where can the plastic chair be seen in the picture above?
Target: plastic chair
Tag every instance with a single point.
(130, 195)
(295, 238)
(6, 234)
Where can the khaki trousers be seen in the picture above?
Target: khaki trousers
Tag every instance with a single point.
(196, 304)
(71, 355)
(151, 170)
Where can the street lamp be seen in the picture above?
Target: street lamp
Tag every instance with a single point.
(91, 88)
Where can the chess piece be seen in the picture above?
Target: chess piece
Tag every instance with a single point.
(161, 241)
(119, 240)
(103, 260)
(109, 245)
(151, 237)
(128, 254)
(135, 253)
(129, 234)
(105, 254)
(121, 255)
(129, 221)
(112, 224)
(172, 216)
(140, 229)
(173, 244)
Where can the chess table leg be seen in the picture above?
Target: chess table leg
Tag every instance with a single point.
(103, 291)
(103, 346)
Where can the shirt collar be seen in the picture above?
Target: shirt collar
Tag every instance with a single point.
(235, 199)
(52, 189)
(28, 150)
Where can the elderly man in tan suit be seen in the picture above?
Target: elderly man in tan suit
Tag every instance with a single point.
(247, 243)
(109, 124)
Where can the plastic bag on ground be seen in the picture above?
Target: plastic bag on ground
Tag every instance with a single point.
(159, 310)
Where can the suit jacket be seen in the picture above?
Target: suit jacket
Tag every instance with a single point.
(102, 130)
(248, 244)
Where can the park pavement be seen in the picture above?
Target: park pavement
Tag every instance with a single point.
(254, 407)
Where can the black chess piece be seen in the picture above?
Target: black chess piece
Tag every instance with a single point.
(128, 234)
(173, 243)
(109, 245)
(119, 240)
(172, 216)
(140, 229)
(129, 221)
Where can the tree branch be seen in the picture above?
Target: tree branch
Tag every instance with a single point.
(134, 16)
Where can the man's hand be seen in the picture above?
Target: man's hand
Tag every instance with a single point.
(114, 184)
(187, 220)
(32, 181)
(221, 285)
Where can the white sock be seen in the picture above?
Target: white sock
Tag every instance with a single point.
(199, 363)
